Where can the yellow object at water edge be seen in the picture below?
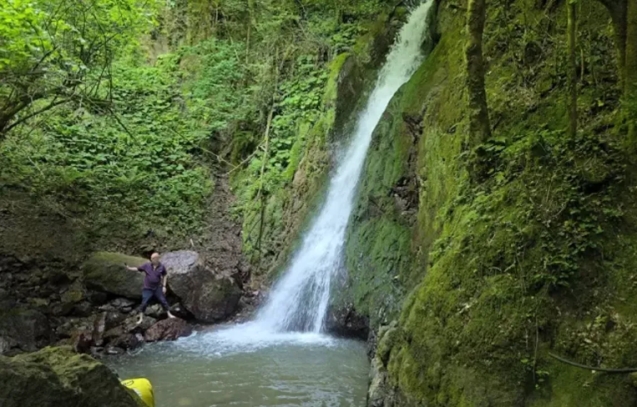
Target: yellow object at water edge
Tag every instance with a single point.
(143, 388)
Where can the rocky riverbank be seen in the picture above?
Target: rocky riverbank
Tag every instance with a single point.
(59, 377)
(92, 308)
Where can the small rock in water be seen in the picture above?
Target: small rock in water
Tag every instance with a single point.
(128, 341)
(114, 351)
(168, 330)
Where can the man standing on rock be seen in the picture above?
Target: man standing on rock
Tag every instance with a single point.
(155, 280)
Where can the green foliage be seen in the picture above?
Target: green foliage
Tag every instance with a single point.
(108, 136)
(20, 32)
(133, 166)
(56, 52)
(214, 90)
(569, 222)
(294, 73)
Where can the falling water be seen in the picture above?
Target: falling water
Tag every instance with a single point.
(299, 300)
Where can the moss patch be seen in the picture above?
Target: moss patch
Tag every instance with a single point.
(521, 247)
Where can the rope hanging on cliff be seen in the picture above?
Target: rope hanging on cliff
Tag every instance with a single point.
(599, 369)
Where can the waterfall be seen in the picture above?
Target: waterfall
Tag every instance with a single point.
(299, 300)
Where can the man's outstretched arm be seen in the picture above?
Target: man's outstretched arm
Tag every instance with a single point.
(131, 268)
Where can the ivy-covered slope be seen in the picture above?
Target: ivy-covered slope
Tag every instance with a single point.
(488, 260)
(192, 96)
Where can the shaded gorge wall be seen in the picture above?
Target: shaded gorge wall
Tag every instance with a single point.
(472, 265)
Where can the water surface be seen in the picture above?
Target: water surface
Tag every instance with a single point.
(287, 370)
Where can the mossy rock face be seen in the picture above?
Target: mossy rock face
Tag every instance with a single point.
(106, 272)
(58, 377)
(491, 257)
(74, 294)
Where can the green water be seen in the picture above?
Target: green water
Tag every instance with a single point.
(248, 369)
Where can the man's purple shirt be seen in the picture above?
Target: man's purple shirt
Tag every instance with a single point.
(153, 275)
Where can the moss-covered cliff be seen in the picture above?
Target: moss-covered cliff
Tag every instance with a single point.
(489, 259)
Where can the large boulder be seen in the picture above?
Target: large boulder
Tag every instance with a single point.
(344, 321)
(168, 330)
(22, 330)
(58, 377)
(105, 272)
(208, 295)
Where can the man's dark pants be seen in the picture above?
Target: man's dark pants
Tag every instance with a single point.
(148, 293)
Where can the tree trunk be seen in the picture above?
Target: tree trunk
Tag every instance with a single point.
(630, 72)
(261, 196)
(572, 68)
(630, 55)
(617, 11)
(479, 125)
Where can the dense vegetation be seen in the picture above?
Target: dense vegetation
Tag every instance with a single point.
(109, 104)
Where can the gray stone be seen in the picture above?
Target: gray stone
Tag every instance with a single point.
(127, 341)
(23, 329)
(168, 330)
(97, 297)
(344, 321)
(105, 272)
(121, 303)
(207, 295)
(83, 309)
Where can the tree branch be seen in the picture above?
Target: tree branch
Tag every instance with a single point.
(598, 369)
(33, 114)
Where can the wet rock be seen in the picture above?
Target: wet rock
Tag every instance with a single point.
(83, 309)
(99, 327)
(42, 305)
(346, 322)
(73, 294)
(113, 333)
(107, 308)
(65, 327)
(23, 330)
(105, 272)
(113, 351)
(168, 330)
(114, 318)
(377, 393)
(207, 295)
(127, 341)
(58, 377)
(122, 303)
(56, 276)
(155, 311)
(5, 346)
(97, 297)
(130, 325)
(62, 309)
(81, 341)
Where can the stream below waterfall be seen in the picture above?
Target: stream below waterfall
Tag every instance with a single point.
(293, 369)
(282, 358)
